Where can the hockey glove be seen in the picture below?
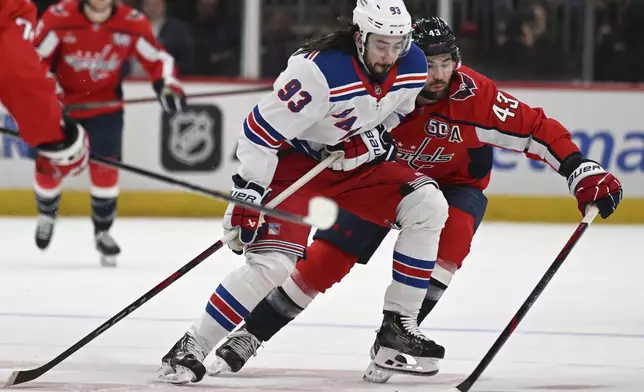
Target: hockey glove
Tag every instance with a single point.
(170, 94)
(375, 146)
(591, 184)
(246, 220)
(69, 157)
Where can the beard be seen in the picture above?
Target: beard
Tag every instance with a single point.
(380, 69)
(435, 94)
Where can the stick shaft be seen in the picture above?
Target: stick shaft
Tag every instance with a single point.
(525, 307)
(22, 376)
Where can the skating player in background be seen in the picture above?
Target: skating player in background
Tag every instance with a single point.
(29, 94)
(341, 92)
(459, 116)
(86, 43)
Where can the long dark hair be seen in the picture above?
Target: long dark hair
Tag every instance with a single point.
(341, 39)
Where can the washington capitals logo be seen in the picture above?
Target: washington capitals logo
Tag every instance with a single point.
(99, 65)
(423, 156)
(466, 89)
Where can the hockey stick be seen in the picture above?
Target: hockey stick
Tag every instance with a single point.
(107, 104)
(323, 206)
(465, 386)
(312, 219)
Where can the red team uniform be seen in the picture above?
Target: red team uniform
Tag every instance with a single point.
(87, 60)
(23, 85)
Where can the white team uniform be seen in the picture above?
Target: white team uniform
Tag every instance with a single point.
(320, 99)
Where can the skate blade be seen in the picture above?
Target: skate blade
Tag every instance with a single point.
(108, 261)
(376, 374)
(415, 366)
(218, 367)
(167, 375)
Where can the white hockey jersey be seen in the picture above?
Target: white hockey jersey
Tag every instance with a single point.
(322, 98)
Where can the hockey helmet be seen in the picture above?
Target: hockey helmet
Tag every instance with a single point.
(384, 17)
(435, 37)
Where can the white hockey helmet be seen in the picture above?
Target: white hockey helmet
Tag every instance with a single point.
(384, 17)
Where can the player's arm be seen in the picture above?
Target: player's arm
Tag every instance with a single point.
(30, 97)
(46, 39)
(159, 65)
(300, 97)
(25, 91)
(504, 121)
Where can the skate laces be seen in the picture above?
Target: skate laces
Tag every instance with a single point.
(191, 345)
(244, 344)
(411, 325)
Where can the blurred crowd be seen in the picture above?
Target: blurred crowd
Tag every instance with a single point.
(537, 40)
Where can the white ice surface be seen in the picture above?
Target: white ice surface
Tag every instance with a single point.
(585, 333)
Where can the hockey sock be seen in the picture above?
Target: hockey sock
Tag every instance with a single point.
(47, 190)
(103, 213)
(434, 293)
(241, 291)
(272, 314)
(48, 205)
(421, 216)
(441, 277)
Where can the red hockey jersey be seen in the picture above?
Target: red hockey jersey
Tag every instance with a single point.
(451, 139)
(25, 90)
(87, 58)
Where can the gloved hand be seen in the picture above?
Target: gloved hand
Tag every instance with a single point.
(246, 220)
(591, 184)
(69, 157)
(170, 94)
(375, 146)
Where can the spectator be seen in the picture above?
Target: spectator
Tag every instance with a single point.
(217, 40)
(172, 34)
(278, 43)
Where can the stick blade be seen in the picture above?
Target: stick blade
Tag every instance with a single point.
(12, 379)
(323, 213)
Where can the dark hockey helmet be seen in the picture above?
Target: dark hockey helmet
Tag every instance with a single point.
(435, 37)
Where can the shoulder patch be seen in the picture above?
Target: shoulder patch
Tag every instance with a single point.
(466, 89)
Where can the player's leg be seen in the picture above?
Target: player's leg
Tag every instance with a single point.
(269, 261)
(325, 264)
(466, 209)
(105, 135)
(47, 190)
(420, 215)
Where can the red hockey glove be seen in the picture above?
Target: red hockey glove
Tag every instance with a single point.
(591, 184)
(69, 157)
(246, 220)
(170, 94)
(375, 146)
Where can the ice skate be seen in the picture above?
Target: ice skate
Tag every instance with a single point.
(184, 362)
(400, 335)
(217, 367)
(235, 352)
(108, 248)
(44, 231)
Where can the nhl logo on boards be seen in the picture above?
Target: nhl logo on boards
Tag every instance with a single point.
(192, 139)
